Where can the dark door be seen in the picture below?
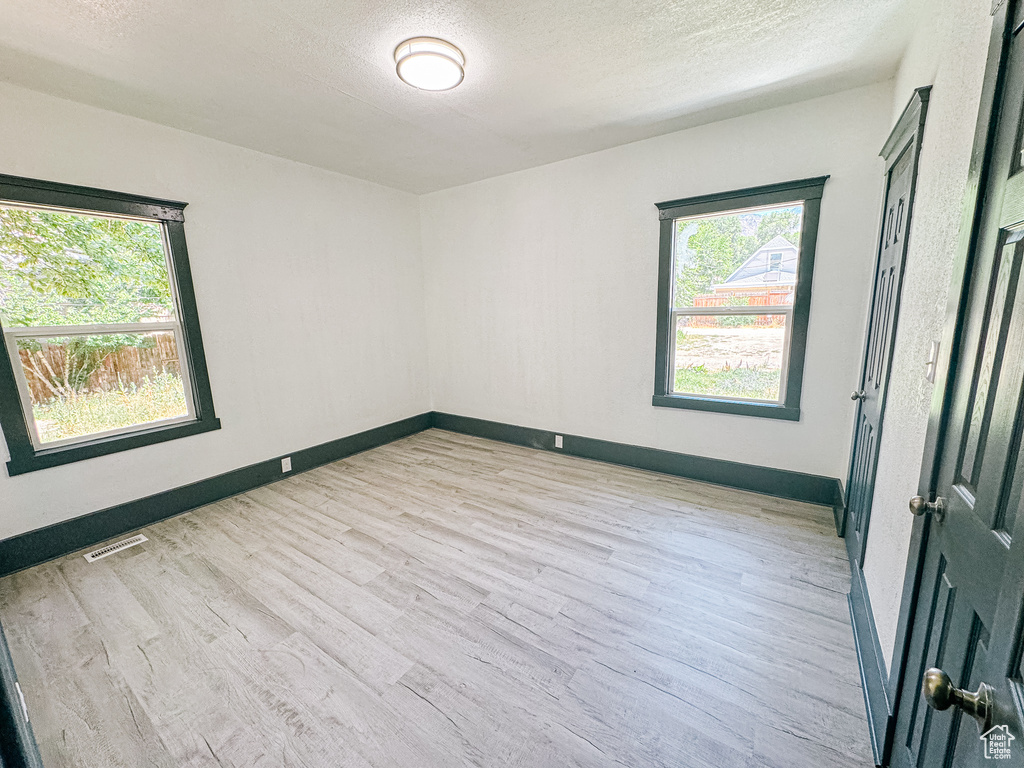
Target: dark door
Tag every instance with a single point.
(968, 617)
(900, 153)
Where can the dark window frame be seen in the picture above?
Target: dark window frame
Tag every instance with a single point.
(805, 191)
(171, 216)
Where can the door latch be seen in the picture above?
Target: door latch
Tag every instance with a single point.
(936, 508)
(940, 693)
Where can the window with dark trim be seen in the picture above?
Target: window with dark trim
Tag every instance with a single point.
(101, 345)
(734, 296)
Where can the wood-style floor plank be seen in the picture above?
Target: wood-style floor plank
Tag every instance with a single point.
(450, 601)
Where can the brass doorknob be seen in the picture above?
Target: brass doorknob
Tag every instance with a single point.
(858, 395)
(936, 508)
(940, 693)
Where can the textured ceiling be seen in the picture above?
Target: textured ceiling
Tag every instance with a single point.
(314, 80)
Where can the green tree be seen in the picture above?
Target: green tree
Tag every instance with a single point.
(710, 253)
(66, 269)
(785, 222)
(61, 268)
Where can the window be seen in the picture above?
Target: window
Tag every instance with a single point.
(734, 298)
(102, 350)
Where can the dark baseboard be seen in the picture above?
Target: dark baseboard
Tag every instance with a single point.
(839, 510)
(798, 486)
(57, 540)
(873, 674)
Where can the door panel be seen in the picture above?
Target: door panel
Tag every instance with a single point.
(968, 611)
(938, 621)
(878, 346)
(992, 356)
(956, 640)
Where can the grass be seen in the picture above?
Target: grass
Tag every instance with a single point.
(758, 383)
(159, 397)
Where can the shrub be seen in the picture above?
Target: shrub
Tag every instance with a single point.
(758, 383)
(161, 396)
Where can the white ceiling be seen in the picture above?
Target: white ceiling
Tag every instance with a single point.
(314, 80)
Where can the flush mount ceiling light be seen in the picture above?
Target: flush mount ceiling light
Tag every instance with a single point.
(429, 64)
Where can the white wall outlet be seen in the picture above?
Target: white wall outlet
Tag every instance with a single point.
(286, 464)
(558, 441)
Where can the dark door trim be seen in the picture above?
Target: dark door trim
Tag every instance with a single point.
(945, 369)
(906, 136)
(18, 747)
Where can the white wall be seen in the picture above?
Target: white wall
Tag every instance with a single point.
(948, 51)
(542, 284)
(309, 287)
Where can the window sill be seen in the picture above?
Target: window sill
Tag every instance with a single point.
(68, 454)
(736, 407)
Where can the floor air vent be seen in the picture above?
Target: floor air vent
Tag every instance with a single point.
(111, 549)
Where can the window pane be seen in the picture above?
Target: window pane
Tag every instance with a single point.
(61, 268)
(81, 385)
(738, 258)
(730, 356)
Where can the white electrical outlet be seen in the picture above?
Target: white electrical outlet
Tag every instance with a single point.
(558, 441)
(286, 464)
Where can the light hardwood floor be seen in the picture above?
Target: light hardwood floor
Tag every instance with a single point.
(450, 601)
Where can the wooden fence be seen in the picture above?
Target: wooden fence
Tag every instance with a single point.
(49, 370)
(769, 299)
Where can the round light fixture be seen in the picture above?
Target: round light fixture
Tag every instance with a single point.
(429, 64)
